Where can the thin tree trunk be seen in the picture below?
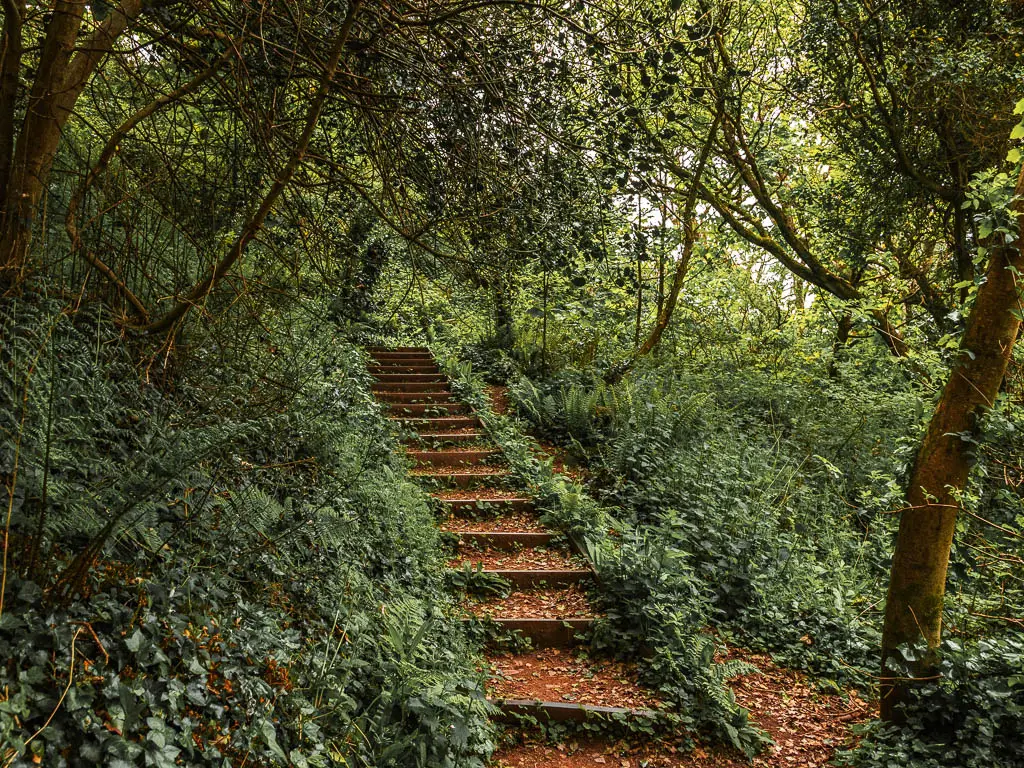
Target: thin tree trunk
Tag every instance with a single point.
(60, 80)
(10, 68)
(682, 266)
(71, 220)
(843, 329)
(917, 582)
(205, 286)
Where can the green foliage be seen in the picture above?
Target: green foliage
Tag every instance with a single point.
(972, 717)
(262, 584)
(476, 581)
(652, 600)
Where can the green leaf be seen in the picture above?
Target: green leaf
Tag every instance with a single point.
(269, 734)
(1018, 131)
(1019, 109)
(134, 642)
(1013, 156)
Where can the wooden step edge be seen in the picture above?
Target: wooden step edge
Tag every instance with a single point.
(506, 539)
(396, 349)
(563, 712)
(542, 632)
(422, 454)
(554, 577)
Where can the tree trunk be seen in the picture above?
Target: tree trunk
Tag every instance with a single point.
(682, 266)
(61, 77)
(917, 581)
(200, 290)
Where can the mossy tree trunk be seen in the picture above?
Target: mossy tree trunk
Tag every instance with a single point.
(66, 63)
(913, 612)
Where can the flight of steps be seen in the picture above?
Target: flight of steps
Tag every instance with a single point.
(496, 524)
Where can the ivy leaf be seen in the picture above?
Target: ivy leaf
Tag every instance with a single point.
(134, 642)
(1018, 131)
(270, 738)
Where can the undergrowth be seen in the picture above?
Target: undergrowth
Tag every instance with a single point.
(232, 573)
(761, 501)
(647, 603)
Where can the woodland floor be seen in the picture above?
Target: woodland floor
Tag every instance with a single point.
(806, 726)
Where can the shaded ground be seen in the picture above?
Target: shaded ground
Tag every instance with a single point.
(806, 725)
(555, 674)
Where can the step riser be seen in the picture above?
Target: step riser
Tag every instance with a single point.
(385, 362)
(440, 440)
(411, 387)
(438, 410)
(429, 426)
(386, 369)
(449, 482)
(452, 458)
(415, 397)
(410, 378)
(547, 633)
(560, 712)
(505, 540)
(524, 579)
(477, 508)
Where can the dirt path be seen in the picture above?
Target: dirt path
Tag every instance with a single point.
(498, 531)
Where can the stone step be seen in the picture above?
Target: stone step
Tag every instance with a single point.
(454, 458)
(386, 369)
(545, 633)
(548, 577)
(427, 425)
(410, 378)
(416, 350)
(428, 409)
(562, 712)
(483, 503)
(410, 386)
(508, 540)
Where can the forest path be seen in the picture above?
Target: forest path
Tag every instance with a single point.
(555, 679)
(500, 536)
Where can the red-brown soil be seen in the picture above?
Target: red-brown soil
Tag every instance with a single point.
(475, 469)
(562, 603)
(484, 494)
(806, 725)
(511, 521)
(529, 559)
(499, 399)
(557, 675)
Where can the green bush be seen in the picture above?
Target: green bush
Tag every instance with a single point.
(261, 582)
